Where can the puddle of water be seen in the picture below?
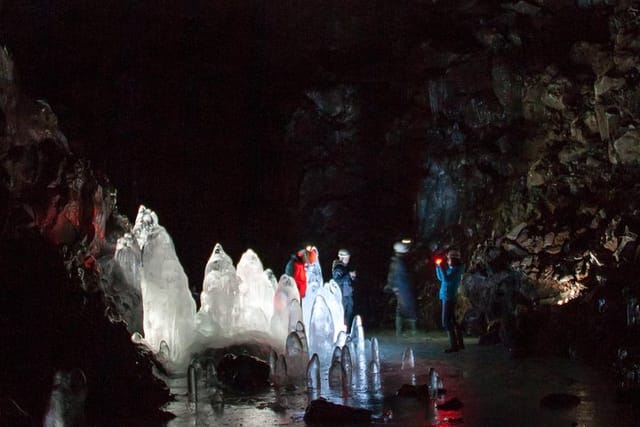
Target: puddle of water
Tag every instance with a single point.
(494, 389)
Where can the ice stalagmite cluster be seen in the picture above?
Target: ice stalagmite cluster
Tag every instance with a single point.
(168, 308)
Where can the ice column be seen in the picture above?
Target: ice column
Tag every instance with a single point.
(408, 361)
(332, 295)
(357, 334)
(313, 373)
(168, 307)
(347, 368)
(217, 299)
(129, 257)
(297, 358)
(255, 294)
(285, 301)
(321, 333)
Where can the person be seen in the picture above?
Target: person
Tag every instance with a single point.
(344, 278)
(449, 282)
(400, 283)
(296, 269)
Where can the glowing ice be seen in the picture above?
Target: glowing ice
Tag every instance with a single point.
(332, 295)
(347, 367)
(217, 299)
(357, 334)
(146, 222)
(313, 373)
(129, 257)
(321, 333)
(286, 313)
(297, 357)
(408, 361)
(255, 294)
(169, 309)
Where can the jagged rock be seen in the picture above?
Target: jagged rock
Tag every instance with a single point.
(537, 174)
(571, 153)
(414, 391)
(515, 232)
(604, 84)
(560, 401)
(597, 56)
(608, 122)
(522, 7)
(452, 404)
(626, 149)
(337, 103)
(471, 76)
(243, 372)
(323, 412)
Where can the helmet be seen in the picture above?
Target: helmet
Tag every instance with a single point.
(400, 248)
(454, 254)
(343, 253)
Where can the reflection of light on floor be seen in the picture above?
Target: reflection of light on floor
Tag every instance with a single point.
(494, 389)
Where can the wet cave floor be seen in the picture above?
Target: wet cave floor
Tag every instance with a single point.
(494, 388)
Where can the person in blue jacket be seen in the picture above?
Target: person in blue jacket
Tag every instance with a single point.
(400, 283)
(449, 282)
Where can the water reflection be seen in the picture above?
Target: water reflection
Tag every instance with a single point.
(494, 389)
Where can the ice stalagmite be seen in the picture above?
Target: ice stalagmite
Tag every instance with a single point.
(146, 222)
(285, 301)
(129, 257)
(408, 361)
(313, 373)
(347, 367)
(375, 351)
(168, 307)
(255, 294)
(335, 374)
(321, 334)
(297, 358)
(357, 334)
(300, 330)
(217, 299)
(332, 295)
(433, 383)
(194, 373)
(280, 375)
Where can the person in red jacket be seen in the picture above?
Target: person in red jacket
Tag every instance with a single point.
(295, 269)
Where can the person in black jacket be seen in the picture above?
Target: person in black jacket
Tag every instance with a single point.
(344, 278)
(400, 283)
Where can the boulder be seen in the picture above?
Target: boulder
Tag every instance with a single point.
(626, 149)
(323, 412)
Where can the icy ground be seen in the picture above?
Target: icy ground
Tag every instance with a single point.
(495, 390)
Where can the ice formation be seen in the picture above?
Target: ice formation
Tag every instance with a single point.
(217, 298)
(286, 308)
(255, 294)
(243, 302)
(168, 307)
(129, 257)
(321, 330)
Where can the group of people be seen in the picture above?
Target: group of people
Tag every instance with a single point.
(303, 264)
(399, 283)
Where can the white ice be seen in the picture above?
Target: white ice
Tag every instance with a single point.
(246, 302)
(168, 307)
